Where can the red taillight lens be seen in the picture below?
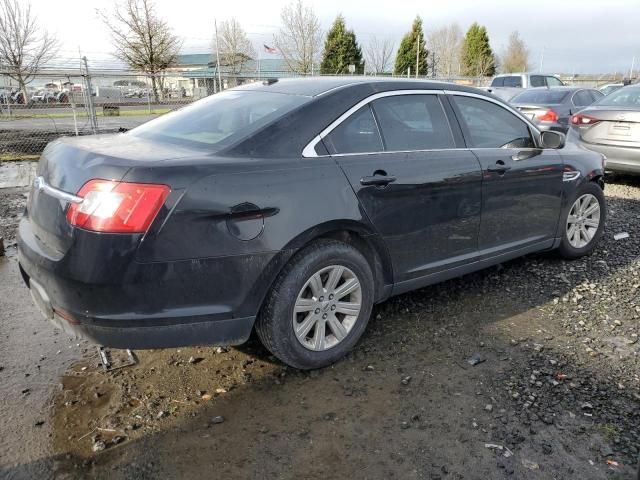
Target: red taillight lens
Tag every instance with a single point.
(579, 119)
(117, 207)
(548, 116)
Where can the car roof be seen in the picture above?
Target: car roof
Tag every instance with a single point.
(317, 86)
(525, 73)
(565, 88)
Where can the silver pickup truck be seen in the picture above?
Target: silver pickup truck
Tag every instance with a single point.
(508, 85)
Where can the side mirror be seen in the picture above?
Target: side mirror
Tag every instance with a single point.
(551, 139)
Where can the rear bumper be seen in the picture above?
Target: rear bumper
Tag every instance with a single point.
(144, 305)
(619, 159)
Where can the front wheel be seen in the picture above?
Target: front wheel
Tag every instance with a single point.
(584, 222)
(319, 306)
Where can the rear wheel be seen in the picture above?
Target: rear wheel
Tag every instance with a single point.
(584, 222)
(319, 306)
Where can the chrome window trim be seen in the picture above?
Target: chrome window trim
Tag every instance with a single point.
(310, 152)
(532, 128)
(41, 185)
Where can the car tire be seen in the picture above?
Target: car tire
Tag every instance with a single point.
(588, 192)
(295, 289)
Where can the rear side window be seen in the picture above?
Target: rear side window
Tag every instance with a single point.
(515, 81)
(357, 134)
(491, 126)
(554, 82)
(582, 98)
(537, 81)
(596, 95)
(220, 120)
(413, 122)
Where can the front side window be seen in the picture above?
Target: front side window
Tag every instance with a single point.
(554, 82)
(498, 82)
(537, 81)
(582, 99)
(220, 120)
(357, 134)
(515, 81)
(413, 122)
(489, 125)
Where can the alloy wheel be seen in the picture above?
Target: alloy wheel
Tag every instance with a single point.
(583, 221)
(327, 308)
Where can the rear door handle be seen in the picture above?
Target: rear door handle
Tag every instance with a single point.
(377, 180)
(499, 167)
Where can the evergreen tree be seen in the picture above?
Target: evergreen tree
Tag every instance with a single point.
(477, 57)
(408, 50)
(341, 50)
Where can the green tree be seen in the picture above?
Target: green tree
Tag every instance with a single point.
(477, 59)
(408, 51)
(341, 50)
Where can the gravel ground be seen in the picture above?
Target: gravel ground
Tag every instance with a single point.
(526, 370)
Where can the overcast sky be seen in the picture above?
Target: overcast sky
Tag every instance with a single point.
(580, 36)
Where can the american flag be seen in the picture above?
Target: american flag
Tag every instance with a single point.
(269, 49)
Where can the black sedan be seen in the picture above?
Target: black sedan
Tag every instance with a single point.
(292, 207)
(551, 108)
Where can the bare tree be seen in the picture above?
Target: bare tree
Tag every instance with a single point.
(143, 40)
(445, 44)
(516, 57)
(24, 46)
(234, 47)
(378, 55)
(299, 39)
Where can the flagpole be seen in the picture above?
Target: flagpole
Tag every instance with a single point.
(215, 23)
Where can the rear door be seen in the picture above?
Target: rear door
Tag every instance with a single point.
(522, 184)
(421, 193)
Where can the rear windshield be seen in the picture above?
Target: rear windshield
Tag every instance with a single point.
(220, 120)
(624, 97)
(541, 96)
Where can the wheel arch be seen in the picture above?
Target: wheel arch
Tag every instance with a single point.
(348, 231)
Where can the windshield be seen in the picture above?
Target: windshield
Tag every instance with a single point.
(624, 97)
(541, 96)
(220, 120)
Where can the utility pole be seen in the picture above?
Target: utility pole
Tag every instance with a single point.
(633, 65)
(89, 95)
(418, 55)
(541, 60)
(215, 23)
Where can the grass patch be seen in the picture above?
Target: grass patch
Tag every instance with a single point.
(608, 430)
(8, 157)
(83, 114)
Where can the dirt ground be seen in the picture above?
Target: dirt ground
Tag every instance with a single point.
(525, 371)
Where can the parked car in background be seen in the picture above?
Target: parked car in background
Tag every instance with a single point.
(294, 206)
(551, 108)
(610, 88)
(611, 126)
(508, 85)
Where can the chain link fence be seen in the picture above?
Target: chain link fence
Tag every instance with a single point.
(56, 103)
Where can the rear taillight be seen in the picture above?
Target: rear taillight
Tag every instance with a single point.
(547, 116)
(580, 119)
(117, 207)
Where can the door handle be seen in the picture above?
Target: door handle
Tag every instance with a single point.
(377, 180)
(499, 167)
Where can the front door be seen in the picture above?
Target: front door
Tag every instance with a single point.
(522, 184)
(421, 194)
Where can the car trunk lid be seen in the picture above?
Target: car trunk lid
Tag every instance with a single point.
(616, 127)
(68, 163)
